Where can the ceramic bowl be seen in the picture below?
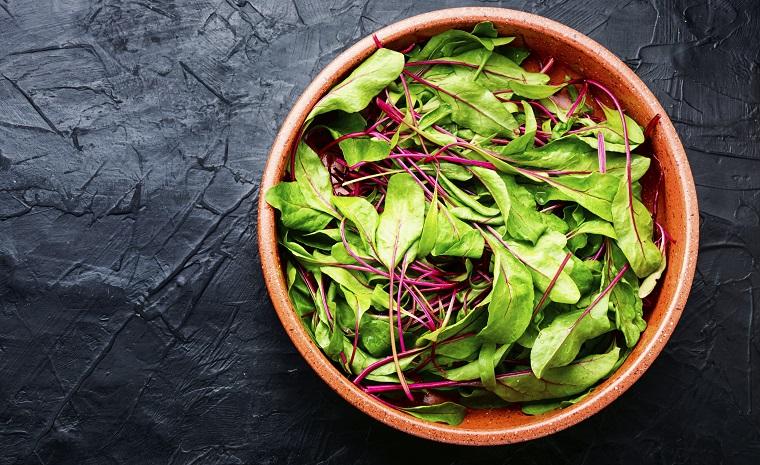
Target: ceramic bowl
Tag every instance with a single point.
(677, 211)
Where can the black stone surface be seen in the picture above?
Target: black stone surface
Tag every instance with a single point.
(134, 324)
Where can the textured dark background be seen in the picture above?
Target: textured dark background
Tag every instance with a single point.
(134, 323)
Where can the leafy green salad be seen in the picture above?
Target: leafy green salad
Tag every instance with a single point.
(460, 232)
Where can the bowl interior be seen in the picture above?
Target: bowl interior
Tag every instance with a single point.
(677, 212)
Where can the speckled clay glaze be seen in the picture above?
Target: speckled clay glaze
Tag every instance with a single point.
(677, 212)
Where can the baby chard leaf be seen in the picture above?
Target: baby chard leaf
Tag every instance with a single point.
(496, 187)
(455, 238)
(594, 191)
(558, 382)
(559, 343)
(429, 229)
(525, 222)
(364, 83)
(361, 213)
(511, 306)
(295, 212)
(633, 228)
(475, 107)
(648, 284)
(543, 260)
(400, 225)
(447, 412)
(628, 312)
(535, 91)
(314, 180)
(356, 149)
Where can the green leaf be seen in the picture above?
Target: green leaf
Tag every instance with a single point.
(511, 306)
(629, 312)
(295, 212)
(634, 232)
(570, 153)
(463, 198)
(558, 382)
(559, 343)
(401, 222)
(612, 129)
(496, 187)
(454, 42)
(534, 91)
(516, 54)
(498, 72)
(329, 340)
(456, 238)
(355, 92)
(475, 107)
(600, 227)
(648, 284)
(361, 213)
(543, 260)
(374, 336)
(474, 369)
(355, 149)
(429, 228)
(473, 321)
(525, 222)
(594, 191)
(314, 180)
(485, 29)
(448, 412)
(350, 282)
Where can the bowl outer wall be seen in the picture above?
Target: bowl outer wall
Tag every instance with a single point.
(678, 212)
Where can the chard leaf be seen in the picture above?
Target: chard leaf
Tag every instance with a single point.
(475, 107)
(572, 154)
(295, 212)
(456, 238)
(594, 191)
(361, 213)
(429, 229)
(497, 71)
(314, 180)
(612, 130)
(450, 413)
(400, 224)
(466, 199)
(496, 187)
(628, 310)
(534, 91)
(559, 343)
(329, 339)
(473, 370)
(557, 382)
(511, 306)
(525, 222)
(356, 149)
(355, 92)
(543, 260)
(454, 42)
(546, 407)
(473, 321)
(648, 284)
(600, 227)
(633, 229)
(374, 336)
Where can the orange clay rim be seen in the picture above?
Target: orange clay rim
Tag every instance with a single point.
(603, 394)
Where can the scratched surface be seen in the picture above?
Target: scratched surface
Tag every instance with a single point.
(134, 324)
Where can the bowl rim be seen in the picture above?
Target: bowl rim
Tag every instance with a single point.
(600, 397)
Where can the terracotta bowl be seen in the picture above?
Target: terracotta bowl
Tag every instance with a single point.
(677, 212)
